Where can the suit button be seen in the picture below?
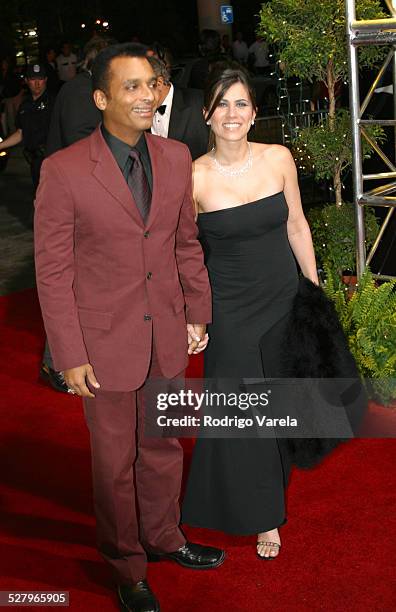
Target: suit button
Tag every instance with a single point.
(146, 234)
(149, 275)
(147, 317)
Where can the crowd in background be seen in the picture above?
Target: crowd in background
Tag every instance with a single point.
(48, 105)
(62, 63)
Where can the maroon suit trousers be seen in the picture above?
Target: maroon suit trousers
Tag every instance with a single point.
(136, 481)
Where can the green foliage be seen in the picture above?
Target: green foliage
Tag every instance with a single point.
(334, 234)
(310, 36)
(369, 322)
(326, 148)
(310, 33)
(312, 44)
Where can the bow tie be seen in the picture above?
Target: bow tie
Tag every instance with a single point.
(161, 109)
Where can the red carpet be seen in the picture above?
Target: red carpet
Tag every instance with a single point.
(338, 549)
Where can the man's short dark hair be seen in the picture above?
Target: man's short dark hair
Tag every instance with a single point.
(160, 69)
(101, 65)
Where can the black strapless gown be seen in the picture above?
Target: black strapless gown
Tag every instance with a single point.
(237, 485)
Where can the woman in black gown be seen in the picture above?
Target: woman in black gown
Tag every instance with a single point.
(251, 222)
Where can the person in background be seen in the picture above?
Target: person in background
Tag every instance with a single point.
(210, 48)
(258, 54)
(11, 93)
(75, 113)
(240, 49)
(95, 35)
(75, 116)
(226, 46)
(32, 120)
(49, 62)
(66, 63)
(179, 114)
(156, 49)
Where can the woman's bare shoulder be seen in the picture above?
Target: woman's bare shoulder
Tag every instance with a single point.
(272, 151)
(202, 163)
(201, 168)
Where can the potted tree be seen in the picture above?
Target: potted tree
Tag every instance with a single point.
(311, 40)
(333, 231)
(328, 153)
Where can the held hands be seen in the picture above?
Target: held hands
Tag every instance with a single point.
(197, 338)
(76, 379)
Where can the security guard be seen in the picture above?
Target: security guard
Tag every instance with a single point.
(32, 120)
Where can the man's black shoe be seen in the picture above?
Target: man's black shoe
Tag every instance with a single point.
(137, 597)
(55, 379)
(194, 556)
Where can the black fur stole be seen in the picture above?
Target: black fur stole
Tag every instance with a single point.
(315, 346)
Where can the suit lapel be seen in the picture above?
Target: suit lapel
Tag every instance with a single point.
(110, 176)
(161, 173)
(179, 116)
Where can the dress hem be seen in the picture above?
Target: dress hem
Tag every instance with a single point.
(232, 532)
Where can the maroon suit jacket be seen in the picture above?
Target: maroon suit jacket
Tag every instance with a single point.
(107, 284)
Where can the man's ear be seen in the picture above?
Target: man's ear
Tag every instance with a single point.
(100, 99)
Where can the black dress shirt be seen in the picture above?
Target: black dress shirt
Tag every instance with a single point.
(121, 149)
(33, 118)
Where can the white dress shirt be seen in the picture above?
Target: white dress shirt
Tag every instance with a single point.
(160, 125)
(240, 51)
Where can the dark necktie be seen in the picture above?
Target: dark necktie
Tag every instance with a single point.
(161, 109)
(138, 184)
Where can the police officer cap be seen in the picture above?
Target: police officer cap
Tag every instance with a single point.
(36, 71)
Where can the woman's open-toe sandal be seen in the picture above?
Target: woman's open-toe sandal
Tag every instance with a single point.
(273, 545)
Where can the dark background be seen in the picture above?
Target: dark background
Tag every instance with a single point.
(171, 22)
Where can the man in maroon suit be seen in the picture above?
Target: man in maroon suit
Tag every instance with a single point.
(119, 272)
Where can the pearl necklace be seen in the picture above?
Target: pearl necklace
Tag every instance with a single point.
(236, 171)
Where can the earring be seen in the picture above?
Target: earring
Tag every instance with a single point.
(253, 122)
(208, 123)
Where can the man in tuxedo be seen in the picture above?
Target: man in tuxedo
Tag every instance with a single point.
(119, 272)
(180, 112)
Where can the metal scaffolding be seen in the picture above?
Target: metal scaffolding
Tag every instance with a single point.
(373, 32)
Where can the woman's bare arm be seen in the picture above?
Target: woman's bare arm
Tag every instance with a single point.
(298, 230)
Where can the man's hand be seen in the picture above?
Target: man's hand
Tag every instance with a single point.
(197, 338)
(75, 379)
